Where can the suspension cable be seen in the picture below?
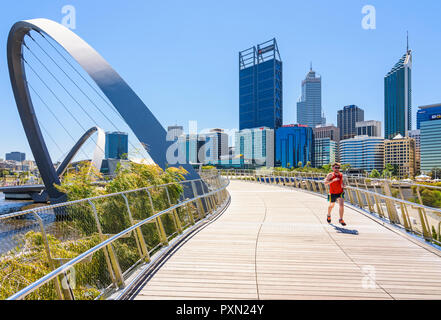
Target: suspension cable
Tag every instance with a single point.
(87, 82)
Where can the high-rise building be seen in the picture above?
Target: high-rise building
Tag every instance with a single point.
(416, 135)
(191, 148)
(400, 151)
(309, 107)
(346, 120)
(216, 145)
(426, 113)
(173, 132)
(363, 152)
(398, 98)
(256, 146)
(430, 145)
(327, 131)
(16, 156)
(294, 144)
(260, 87)
(117, 145)
(371, 128)
(325, 152)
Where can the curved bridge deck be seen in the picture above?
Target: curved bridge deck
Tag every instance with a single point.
(275, 243)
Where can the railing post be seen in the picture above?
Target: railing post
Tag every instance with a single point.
(139, 238)
(158, 222)
(390, 205)
(111, 259)
(175, 213)
(198, 201)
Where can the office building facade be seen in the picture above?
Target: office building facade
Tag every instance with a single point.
(173, 132)
(430, 145)
(309, 108)
(191, 148)
(400, 151)
(117, 145)
(255, 146)
(216, 145)
(327, 131)
(371, 128)
(398, 98)
(15, 156)
(426, 113)
(346, 120)
(325, 152)
(294, 144)
(363, 152)
(416, 135)
(260, 87)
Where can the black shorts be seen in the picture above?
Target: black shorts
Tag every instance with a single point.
(334, 196)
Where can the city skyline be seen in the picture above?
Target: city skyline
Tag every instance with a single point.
(223, 85)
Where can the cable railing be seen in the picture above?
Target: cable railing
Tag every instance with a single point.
(92, 248)
(381, 197)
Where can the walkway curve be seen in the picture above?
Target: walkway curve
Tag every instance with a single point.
(274, 243)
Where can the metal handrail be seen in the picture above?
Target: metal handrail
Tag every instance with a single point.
(57, 205)
(66, 266)
(373, 202)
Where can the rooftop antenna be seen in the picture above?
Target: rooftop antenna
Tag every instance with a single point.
(407, 37)
(310, 66)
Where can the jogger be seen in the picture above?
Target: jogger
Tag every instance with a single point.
(336, 191)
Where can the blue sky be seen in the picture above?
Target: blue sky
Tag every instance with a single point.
(181, 57)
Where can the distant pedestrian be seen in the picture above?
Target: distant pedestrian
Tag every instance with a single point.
(336, 191)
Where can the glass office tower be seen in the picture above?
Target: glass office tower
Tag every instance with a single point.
(430, 146)
(117, 145)
(294, 144)
(260, 87)
(398, 98)
(426, 113)
(309, 108)
(347, 119)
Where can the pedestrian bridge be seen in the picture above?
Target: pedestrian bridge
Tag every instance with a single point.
(273, 242)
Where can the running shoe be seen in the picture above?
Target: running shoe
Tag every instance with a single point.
(342, 222)
(329, 219)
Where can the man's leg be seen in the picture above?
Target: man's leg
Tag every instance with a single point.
(330, 207)
(341, 203)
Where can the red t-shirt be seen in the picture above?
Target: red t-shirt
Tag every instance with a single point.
(336, 187)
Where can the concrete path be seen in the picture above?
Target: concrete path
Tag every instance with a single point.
(275, 243)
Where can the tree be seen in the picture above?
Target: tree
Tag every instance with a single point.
(300, 164)
(308, 164)
(375, 174)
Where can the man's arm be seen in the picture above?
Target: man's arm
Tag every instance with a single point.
(328, 179)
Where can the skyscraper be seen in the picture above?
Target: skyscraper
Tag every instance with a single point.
(309, 108)
(346, 120)
(294, 144)
(398, 98)
(260, 87)
(117, 145)
(426, 113)
(430, 149)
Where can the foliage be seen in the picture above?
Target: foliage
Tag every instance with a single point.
(75, 230)
(435, 173)
(375, 174)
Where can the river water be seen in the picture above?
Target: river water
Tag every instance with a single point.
(8, 206)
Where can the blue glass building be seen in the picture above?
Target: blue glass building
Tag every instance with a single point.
(294, 144)
(426, 113)
(430, 145)
(260, 87)
(117, 145)
(398, 98)
(363, 152)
